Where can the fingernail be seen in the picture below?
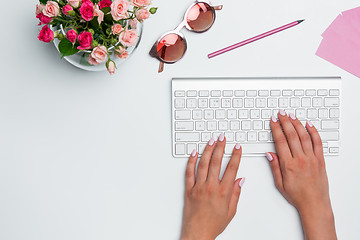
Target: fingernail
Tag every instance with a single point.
(221, 137)
(241, 183)
(274, 119)
(193, 154)
(282, 112)
(292, 116)
(309, 123)
(238, 146)
(269, 157)
(211, 142)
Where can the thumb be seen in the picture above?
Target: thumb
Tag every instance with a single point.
(238, 184)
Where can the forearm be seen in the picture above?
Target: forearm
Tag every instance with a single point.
(318, 223)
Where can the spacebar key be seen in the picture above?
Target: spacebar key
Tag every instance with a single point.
(257, 148)
(187, 137)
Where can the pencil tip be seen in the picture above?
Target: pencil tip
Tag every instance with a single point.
(300, 21)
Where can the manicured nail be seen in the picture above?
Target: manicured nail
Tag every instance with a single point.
(274, 119)
(193, 154)
(238, 146)
(221, 137)
(211, 142)
(241, 183)
(292, 116)
(282, 112)
(269, 157)
(309, 124)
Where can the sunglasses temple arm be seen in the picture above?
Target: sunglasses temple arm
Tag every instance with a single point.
(219, 7)
(161, 67)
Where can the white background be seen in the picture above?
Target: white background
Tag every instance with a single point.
(88, 156)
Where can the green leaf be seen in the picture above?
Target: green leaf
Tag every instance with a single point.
(153, 10)
(94, 23)
(106, 10)
(43, 1)
(66, 48)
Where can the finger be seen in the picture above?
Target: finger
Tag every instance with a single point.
(216, 159)
(276, 170)
(316, 140)
(203, 167)
(281, 144)
(290, 133)
(303, 134)
(239, 183)
(232, 167)
(190, 171)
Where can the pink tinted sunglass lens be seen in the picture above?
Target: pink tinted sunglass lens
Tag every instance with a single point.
(200, 17)
(171, 48)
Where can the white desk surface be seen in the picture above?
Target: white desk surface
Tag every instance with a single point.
(88, 156)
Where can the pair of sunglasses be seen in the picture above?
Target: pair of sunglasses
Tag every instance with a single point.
(172, 46)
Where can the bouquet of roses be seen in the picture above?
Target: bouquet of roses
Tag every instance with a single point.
(99, 28)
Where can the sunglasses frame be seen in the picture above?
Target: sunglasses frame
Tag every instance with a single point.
(177, 31)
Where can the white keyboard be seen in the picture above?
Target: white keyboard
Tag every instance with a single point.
(241, 109)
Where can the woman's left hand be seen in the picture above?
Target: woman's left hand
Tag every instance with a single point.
(210, 203)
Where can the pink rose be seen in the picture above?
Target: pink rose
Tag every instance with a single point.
(111, 67)
(116, 29)
(51, 9)
(142, 14)
(72, 35)
(119, 9)
(74, 3)
(87, 10)
(67, 8)
(105, 3)
(98, 55)
(43, 19)
(98, 13)
(121, 53)
(39, 8)
(46, 35)
(85, 40)
(128, 38)
(133, 23)
(140, 3)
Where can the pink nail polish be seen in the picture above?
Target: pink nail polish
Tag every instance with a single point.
(282, 112)
(292, 116)
(211, 142)
(237, 146)
(193, 154)
(241, 183)
(221, 137)
(310, 124)
(274, 119)
(269, 157)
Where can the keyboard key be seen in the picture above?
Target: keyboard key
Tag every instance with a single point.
(211, 126)
(312, 113)
(306, 102)
(216, 93)
(263, 93)
(287, 93)
(229, 137)
(197, 114)
(191, 93)
(252, 136)
(251, 93)
(330, 124)
(191, 103)
(187, 137)
(209, 114)
(179, 94)
(180, 149)
(232, 114)
(182, 115)
(223, 125)
(294, 102)
(299, 93)
(332, 102)
(272, 103)
(220, 114)
(240, 137)
(260, 103)
(334, 150)
(226, 103)
(283, 102)
(258, 148)
(322, 92)
(258, 125)
(334, 113)
(200, 126)
(243, 114)
(275, 93)
(203, 103)
(245, 125)
(203, 93)
(266, 114)
(190, 147)
(180, 103)
(329, 136)
(334, 92)
(216, 135)
(202, 147)
(184, 126)
(254, 113)
(323, 113)
(205, 137)
(300, 113)
(263, 136)
(214, 102)
(317, 102)
(238, 103)
(249, 102)
(310, 92)
(239, 93)
(227, 93)
(235, 125)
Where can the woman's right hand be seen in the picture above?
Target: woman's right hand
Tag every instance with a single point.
(300, 174)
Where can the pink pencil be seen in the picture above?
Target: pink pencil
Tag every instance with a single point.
(264, 35)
